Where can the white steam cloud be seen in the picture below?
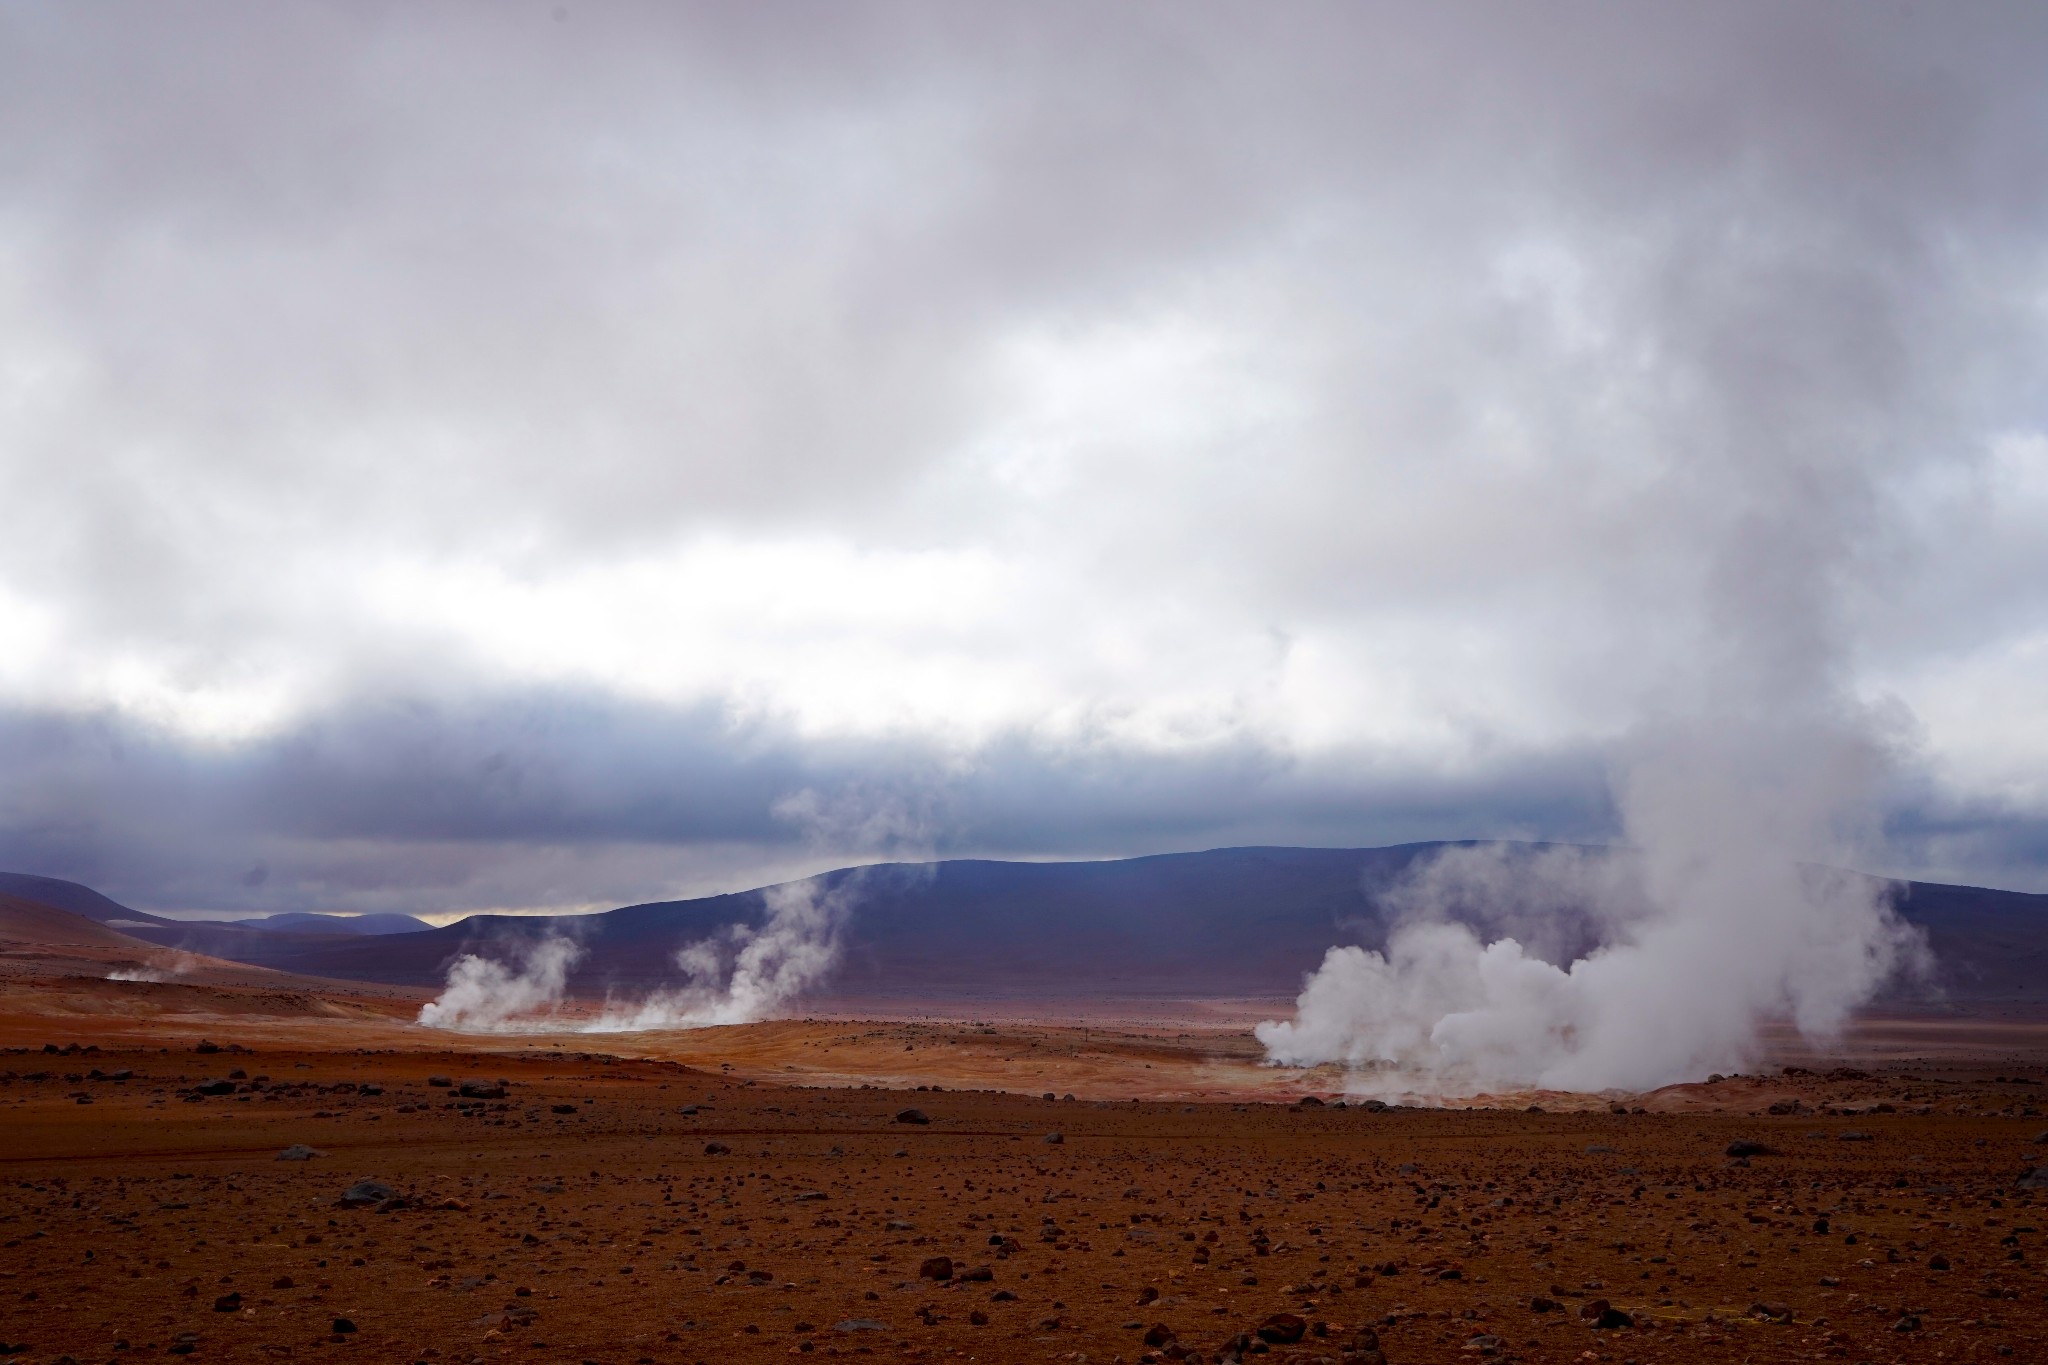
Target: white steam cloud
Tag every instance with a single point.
(1627, 969)
(484, 995)
(740, 974)
(743, 974)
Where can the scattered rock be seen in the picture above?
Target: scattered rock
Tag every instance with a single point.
(860, 1325)
(1744, 1147)
(1159, 1334)
(1283, 1329)
(913, 1116)
(1907, 1323)
(298, 1151)
(441, 1082)
(2036, 1179)
(364, 1193)
(716, 1149)
(1771, 1312)
(936, 1268)
(1055, 1139)
(1308, 1102)
(561, 1109)
(343, 1326)
(1603, 1316)
(228, 1303)
(481, 1090)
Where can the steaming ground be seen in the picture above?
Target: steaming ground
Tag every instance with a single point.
(746, 1193)
(1695, 944)
(736, 976)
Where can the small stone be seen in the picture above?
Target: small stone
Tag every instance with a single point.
(298, 1151)
(913, 1116)
(936, 1268)
(1159, 1334)
(1055, 1139)
(1744, 1147)
(228, 1303)
(342, 1326)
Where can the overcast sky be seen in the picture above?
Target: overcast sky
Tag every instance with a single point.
(522, 456)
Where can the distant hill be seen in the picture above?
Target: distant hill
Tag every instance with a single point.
(309, 922)
(43, 924)
(1225, 923)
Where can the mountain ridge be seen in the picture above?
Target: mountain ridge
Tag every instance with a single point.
(1231, 922)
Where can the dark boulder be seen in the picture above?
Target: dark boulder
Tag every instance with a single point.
(1283, 1329)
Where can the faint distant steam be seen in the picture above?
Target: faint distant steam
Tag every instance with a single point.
(163, 967)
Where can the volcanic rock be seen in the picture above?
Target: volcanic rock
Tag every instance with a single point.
(298, 1151)
(1743, 1147)
(1283, 1329)
(912, 1116)
(366, 1192)
(936, 1268)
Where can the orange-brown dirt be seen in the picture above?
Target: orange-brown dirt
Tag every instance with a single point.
(746, 1193)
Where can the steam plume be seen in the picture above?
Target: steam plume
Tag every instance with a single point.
(1726, 907)
(484, 995)
(740, 974)
(744, 974)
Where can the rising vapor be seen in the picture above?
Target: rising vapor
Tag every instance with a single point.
(484, 995)
(739, 975)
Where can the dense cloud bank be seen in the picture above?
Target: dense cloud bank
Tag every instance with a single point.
(554, 802)
(1090, 430)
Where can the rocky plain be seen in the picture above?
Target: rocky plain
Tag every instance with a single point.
(242, 1165)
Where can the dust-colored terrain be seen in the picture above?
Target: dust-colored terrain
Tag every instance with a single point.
(745, 1193)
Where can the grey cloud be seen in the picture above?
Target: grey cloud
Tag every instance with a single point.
(544, 802)
(1544, 355)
